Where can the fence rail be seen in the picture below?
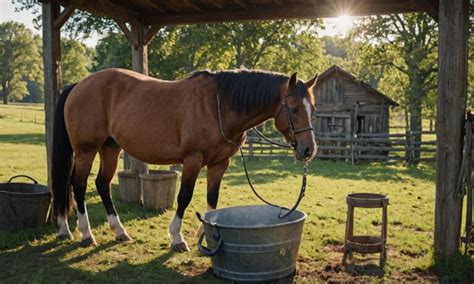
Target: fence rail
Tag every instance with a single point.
(359, 148)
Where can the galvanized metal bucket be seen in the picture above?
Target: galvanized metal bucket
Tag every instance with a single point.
(23, 205)
(250, 243)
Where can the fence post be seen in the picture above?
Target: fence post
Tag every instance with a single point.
(250, 142)
(352, 149)
(407, 147)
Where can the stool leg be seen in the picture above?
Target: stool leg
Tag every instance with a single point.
(383, 254)
(349, 232)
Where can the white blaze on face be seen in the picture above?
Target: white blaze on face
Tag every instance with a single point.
(307, 107)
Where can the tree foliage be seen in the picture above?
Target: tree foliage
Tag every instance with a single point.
(285, 46)
(20, 60)
(76, 60)
(406, 44)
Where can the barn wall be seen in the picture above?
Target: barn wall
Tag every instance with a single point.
(336, 97)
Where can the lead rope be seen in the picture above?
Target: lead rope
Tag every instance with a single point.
(305, 167)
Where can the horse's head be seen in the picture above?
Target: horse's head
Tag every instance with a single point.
(293, 117)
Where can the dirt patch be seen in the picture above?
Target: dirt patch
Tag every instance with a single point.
(363, 268)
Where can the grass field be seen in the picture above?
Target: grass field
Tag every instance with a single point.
(36, 256)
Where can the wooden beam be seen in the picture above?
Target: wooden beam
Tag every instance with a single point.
(64, 16)
(158, 6)
(105, 8)
(52, 72)
(242, 4)
(193, 5)
(150, 33)
(285, 12)
(450, 115)
(166, 5)
(431, 7)
(278, 2)
(128, 34)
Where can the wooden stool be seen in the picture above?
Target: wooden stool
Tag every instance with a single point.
(365, 244)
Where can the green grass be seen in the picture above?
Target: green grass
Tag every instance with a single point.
(36, 256)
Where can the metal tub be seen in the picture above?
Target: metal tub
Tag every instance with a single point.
(23, 205)
(250, 243)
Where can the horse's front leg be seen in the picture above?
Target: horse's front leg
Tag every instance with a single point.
(214, 177)
(191, 167)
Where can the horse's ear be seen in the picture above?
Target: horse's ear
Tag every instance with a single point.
(311, 82)
(292, 81)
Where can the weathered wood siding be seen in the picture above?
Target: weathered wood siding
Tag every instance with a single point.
(340, 101)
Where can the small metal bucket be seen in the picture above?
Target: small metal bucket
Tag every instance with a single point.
(23, 205)
(250, 243)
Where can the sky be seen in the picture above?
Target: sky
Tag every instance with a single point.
(334, 26)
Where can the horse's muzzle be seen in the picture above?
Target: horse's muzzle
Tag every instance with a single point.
(304, 152)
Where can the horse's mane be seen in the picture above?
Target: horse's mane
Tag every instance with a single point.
(248, 90)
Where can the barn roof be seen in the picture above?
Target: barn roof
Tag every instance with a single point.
(163, 12)
(335, 69)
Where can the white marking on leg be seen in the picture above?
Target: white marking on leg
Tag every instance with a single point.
(116, 225)
(83, 225)
(175, 230)
(308, 112)
(63, 227)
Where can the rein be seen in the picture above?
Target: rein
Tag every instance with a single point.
(291, 146)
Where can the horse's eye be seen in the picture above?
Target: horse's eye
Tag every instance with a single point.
(294, 110)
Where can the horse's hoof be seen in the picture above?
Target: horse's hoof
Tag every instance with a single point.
(89, 242)
(123, 238)
(181, 247)
(63, 237)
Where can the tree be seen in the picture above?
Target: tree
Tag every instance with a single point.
(408, 44)
(20, 59)
(284, 46)
(76, 60)
(113, 50)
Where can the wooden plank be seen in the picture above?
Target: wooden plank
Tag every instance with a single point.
(452, 89)
(277, 12)
(105, 8)
(52, 73)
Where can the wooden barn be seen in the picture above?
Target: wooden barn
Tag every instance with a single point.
(345, 105)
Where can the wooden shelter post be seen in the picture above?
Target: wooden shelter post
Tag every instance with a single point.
(53, 19)
(452, 88)
(139, 37)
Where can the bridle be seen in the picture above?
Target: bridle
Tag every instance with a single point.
(293, 131)
(292, 145)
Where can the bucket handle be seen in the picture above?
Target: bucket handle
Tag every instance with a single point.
(12, 208)
(22, 176)
(204, 250)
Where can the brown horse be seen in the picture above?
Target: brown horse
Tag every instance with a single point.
(167, 122)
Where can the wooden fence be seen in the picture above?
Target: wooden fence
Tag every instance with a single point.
(358, 148)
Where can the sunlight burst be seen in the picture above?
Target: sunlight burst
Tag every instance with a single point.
(341, 24)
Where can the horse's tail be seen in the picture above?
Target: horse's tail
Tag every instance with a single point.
(62, 161)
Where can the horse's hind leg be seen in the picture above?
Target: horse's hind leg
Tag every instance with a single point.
(108, 166)
(82, 168)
